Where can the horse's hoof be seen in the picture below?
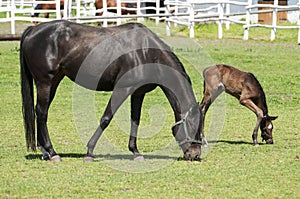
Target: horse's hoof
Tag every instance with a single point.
(139, 158)
(88, 159)
(55, 158)
(256, 144)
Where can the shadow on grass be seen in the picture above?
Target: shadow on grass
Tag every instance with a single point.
(230, 142)
(107, 156)
(64, 155)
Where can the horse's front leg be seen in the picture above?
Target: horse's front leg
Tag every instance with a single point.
(136, 106)
(255, 132)
(117, 98)
(259, 113)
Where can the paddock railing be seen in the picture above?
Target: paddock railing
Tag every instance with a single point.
(189, 12)
(175, 12)
(81, 11)
(274, 9)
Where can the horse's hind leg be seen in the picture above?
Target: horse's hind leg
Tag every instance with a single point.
(45, 95)
(136, 106)
(42, 107)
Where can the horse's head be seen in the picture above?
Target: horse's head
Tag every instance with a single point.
(186, 132)
(266, 128)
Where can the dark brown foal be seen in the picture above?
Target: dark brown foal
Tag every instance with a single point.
(246, 88)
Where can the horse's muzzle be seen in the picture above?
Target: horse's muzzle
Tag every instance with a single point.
(193, 153)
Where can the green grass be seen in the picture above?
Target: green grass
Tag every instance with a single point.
(232, 169)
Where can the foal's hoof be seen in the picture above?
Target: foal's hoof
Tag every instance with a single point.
(88, 159)
(55, 158)
(139, 158)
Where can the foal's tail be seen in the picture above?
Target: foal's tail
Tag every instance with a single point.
(27, 98)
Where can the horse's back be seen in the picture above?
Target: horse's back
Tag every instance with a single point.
(98, 55)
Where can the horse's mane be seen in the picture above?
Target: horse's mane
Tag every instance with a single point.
(179, 63)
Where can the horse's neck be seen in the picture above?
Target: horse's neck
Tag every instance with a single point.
(262, 104)
(180, 103)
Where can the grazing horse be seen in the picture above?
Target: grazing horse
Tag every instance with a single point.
(246, 88)
(113, 59)
(113, 3)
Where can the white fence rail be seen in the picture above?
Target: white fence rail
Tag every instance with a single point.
(189, 12)
(182, 12)
(81, 11)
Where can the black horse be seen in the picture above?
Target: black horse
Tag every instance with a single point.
(127, 60)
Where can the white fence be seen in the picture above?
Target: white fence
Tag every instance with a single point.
(182, 12)
(189, 12)
(81, 11)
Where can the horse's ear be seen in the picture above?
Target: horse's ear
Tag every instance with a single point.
(272, 117)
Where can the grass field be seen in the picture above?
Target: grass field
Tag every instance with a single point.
(231, 168)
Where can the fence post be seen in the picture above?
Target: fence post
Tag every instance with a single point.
(220, 21)
(66, 8)
(274, 20)
(104, 13)
(58, 15)
(247, 26)
(119, 11)
(12, 17)
(227, 10)
(78, 11)
(138, 10)
(157, 11)
(298, 23)
(168, 23)
(191, 19)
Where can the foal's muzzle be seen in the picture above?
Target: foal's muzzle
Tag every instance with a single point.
(268, 138)
(269, 141)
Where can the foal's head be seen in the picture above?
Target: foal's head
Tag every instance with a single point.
(266, 128)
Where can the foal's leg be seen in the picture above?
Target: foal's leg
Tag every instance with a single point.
(210, 94)
(117, 98)
(259, 113)
(136, 106)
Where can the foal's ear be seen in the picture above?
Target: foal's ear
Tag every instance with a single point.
(272, 117)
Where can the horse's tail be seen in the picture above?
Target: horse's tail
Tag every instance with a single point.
(27, 98)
